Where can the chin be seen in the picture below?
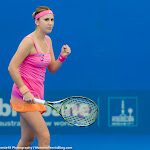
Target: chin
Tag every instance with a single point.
(49, 31)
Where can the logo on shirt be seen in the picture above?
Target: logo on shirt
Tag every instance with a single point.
(42, 58)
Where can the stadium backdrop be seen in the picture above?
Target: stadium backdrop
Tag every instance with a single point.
(109, 62)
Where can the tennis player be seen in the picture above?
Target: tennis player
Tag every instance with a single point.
(27, 69)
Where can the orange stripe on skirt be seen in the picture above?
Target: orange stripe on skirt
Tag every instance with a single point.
(20, 105)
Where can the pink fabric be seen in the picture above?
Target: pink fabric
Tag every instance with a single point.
(43, 13)
(32, 71)
(62, 58)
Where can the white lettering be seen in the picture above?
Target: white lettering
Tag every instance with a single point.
(5, 109)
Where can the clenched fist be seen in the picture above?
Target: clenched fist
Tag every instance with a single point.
(65, 50)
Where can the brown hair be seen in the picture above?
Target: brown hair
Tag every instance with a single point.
(40, 9)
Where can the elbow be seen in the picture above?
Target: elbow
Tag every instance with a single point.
(52, 71)
(9, 68)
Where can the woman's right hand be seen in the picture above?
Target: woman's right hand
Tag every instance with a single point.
(28, 97)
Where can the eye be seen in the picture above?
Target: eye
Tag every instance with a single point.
(47, 19)
(52, 19)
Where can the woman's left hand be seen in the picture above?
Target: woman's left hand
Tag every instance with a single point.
(65, 50)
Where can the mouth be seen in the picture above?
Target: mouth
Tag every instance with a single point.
(50, 28)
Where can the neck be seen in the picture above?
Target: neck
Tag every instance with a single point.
(39, 35)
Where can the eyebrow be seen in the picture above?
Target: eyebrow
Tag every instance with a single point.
(48, 18)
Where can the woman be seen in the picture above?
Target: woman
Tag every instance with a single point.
(27, 69)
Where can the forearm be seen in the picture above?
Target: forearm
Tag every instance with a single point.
(54, 66)
(15, 75)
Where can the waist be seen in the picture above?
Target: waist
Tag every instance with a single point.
(33, 74)
(31, 80)
(35, 86)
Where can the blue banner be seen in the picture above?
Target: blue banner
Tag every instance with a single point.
(119, 112)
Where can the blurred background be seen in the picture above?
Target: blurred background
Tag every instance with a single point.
(109, 63)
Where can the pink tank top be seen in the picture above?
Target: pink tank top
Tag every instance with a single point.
(32, 71)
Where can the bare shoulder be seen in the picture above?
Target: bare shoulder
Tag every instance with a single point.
(27, 42)
(26, 45)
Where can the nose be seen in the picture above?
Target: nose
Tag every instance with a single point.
(50, 23)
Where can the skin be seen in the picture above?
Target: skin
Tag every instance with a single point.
(32, 123)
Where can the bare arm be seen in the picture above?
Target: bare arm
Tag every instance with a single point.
(56, 64)
(22, 52)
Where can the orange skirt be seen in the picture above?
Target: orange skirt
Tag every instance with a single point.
(20, 105)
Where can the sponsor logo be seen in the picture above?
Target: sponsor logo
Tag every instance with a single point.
(122, 111)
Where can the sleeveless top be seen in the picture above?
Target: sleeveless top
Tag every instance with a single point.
(32, 71)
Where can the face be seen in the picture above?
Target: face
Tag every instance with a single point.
(46, 23)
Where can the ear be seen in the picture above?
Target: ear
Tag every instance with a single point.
(37, 22)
